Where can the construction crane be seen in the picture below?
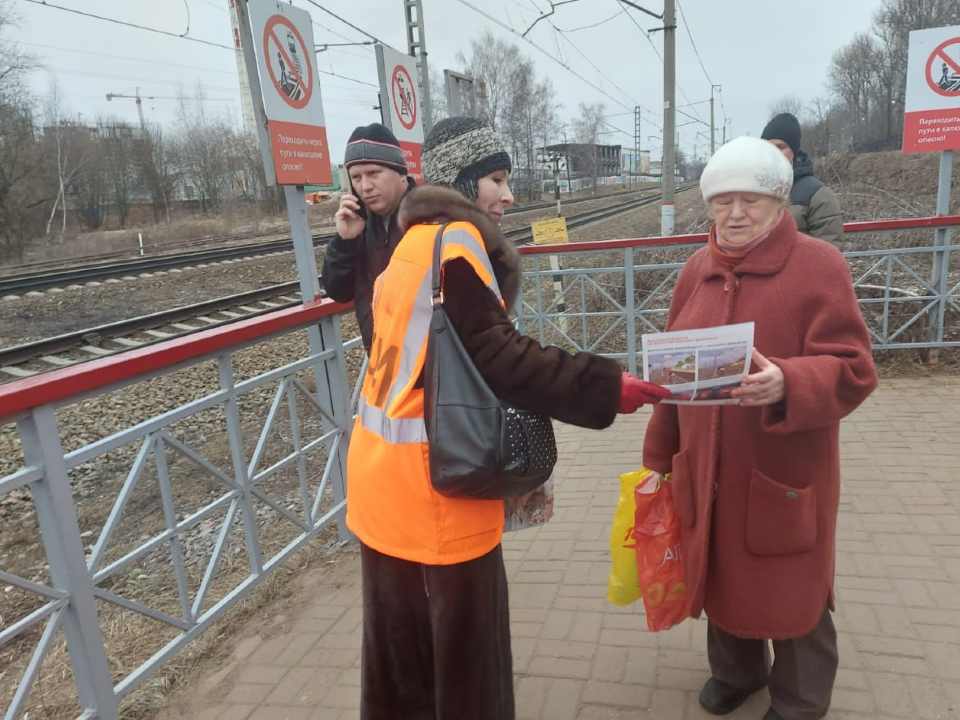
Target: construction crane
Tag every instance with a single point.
(139, 99)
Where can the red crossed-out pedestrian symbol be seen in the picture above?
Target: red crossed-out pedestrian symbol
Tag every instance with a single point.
(404, 93)
(943, 69)
(289, 61)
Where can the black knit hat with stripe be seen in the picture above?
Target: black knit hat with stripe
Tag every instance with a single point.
(375, 144)
(459, 151)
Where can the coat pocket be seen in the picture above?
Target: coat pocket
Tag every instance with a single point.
(781, 520)
(684, 493)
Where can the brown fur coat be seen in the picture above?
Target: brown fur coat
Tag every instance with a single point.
(581, 389)
(435, 204)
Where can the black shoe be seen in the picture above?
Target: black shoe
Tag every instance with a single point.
(719, 698)
(773, 715)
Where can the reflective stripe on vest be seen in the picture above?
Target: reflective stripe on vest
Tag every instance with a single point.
(419, 324)
(396, 431)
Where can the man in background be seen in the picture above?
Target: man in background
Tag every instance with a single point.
(367, 230)
(813, 204)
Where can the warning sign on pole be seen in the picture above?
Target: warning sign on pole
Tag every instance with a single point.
(550, 232)
(932, 105)
(291, 93)
(400, 97)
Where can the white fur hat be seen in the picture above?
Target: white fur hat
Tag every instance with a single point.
(747, 164)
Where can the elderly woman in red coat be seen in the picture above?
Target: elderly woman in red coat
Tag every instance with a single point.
(757, 485)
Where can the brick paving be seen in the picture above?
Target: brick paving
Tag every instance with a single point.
(576, 657)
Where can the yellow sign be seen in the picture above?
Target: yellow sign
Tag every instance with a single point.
(550, 232)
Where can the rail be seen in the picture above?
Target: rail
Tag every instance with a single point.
(168, 519)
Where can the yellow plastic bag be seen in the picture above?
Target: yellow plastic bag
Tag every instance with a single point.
(623, 587)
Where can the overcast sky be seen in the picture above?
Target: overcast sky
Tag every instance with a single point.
(756, 50)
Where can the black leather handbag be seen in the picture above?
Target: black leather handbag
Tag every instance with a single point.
(480, 446)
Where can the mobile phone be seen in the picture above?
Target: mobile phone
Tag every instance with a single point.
(347, 185)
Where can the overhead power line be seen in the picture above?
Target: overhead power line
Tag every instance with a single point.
(562, 64)
(657, 51)
(124, 23)
(598, 71)
(598, 24)
(686, 25)
(345, 22)
(232, 73)
(184, 36)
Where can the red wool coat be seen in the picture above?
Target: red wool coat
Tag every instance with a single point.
(757, 489)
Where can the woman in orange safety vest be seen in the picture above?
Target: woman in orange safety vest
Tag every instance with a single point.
(436, 625)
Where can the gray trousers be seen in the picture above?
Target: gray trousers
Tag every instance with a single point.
(801, 677)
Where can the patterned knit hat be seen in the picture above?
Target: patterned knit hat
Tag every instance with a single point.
(750, 165)
(459, 151)
(375, 144)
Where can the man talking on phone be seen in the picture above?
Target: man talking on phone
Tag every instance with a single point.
(367, 230)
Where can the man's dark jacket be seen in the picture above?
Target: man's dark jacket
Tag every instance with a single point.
(813, 204)
(350, 267)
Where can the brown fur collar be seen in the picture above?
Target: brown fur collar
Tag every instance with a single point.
(431, 204)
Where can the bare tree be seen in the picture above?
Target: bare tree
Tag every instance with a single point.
(204, 151)
(816, 131)
(787, 104)
(851, 78)
(438, 95)
(89, 187)
(494, 64)
(22, 196)
(158, 168)
(117, 141)
(65, 144)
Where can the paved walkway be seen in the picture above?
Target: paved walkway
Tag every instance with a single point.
(578, 658)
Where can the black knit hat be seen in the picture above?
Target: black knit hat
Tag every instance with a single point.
(784, 127)
(375, 144)
(459, 151)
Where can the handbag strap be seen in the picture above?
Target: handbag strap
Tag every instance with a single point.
(437, 255)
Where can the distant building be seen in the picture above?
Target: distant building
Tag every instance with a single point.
(584, 160)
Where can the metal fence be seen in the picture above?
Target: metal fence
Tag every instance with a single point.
(175, 518)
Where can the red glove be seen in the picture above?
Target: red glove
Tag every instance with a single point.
(635, 392)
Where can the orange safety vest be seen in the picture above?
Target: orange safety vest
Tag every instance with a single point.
(391, 504)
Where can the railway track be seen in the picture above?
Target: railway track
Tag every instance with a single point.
(30, 359)
(38, 281)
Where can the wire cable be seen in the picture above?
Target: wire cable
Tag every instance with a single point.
(590, 63)
(345, 22)
(657, 51)
(566, 67)
(588, 27)
(44, 3)
(214, 5)
(686, 26)
(232, 73)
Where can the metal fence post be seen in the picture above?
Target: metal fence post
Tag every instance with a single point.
(60, 529)
(231, 413)
(630, 308)
(334, 395)
(941, 256)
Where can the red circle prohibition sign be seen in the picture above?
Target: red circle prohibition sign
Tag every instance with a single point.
(404, 97)
(954, 65)
(292, 86)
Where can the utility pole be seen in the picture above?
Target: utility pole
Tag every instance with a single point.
(636, 146)
(246, 99)
(667, 207)
(713, 126)
(417, 47)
